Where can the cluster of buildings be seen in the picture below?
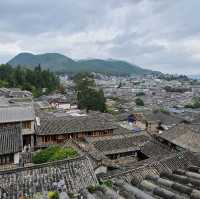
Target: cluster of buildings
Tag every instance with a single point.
(153, 88)
(26, 125)
(142, 152)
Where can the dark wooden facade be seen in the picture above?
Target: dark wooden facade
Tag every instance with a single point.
(44, 140)
(7, 159)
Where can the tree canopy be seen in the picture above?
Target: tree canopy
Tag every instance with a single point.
(139, 102)
(53, 153)
(88, 96)
(195, 103)
(27, 79)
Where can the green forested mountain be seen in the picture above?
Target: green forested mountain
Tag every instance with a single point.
(62, 64)
(52, 61)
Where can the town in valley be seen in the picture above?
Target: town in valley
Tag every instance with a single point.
(148, 134)
(99, 99)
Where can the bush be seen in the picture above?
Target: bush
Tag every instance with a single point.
(165, 111)
(189, 106)
(53, 153)
(139, 102)
(92, 189)
(53, 195)
(195, 104)
(107, 183)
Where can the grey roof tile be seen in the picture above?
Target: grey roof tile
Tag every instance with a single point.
(183, 136)
(16, 113)
(10, 139)
(71, 124)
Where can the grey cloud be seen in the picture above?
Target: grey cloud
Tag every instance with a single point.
(142, 31)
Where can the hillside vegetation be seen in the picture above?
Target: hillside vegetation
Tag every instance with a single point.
(62, 64)
(26, 79)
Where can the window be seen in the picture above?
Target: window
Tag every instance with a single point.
(45, 139)
(6, 159)
(26, 125)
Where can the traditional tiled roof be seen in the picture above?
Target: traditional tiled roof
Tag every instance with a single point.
(184, 136)
(166, 164)
(195, 127)
(179, 180)
(122, 131)
(16, 113)
(42, 104)
(10, 139)
(196, 120)
(70, 175)
(181, 184)
(171, 177)
(120, 143)
(20, 94)
(164, 118)
(74, 124)
(153, 148)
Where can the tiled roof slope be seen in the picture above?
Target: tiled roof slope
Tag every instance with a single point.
(70, 175)
(10, 139)
(180, 184)
(171, 178)
(184, 136)
(167, 164)
(120, 143)
(153, 148)
(72, 124)
(162, 117)
(16, 114)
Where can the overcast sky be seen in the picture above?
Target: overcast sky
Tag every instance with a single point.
(161, 35)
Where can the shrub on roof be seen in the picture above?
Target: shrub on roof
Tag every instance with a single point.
(195, 103)
(107, 183)
(53, 153)
(165, 111)
(139, 102)
(53, 195)
(92, 189)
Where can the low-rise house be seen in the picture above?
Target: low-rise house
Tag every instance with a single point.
(22, 115)
(182, 136)
(120, 146)
(10, 144)
(15, 93)
(42, 105)
(69, 175)
(4, 92)
(20, 94)
(157, 121)
(56, 129)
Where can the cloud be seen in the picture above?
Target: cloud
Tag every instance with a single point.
(155, 34)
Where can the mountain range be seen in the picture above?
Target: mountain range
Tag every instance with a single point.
(61, 64)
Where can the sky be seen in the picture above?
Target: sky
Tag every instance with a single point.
(161, 35)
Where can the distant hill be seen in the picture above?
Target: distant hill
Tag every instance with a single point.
(62, 64)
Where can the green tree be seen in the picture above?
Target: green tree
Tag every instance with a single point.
(53, 195)
(27, 79)
(195, 103)
(88, 96)
(120, 85)
(53, 153)
(139, 102)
